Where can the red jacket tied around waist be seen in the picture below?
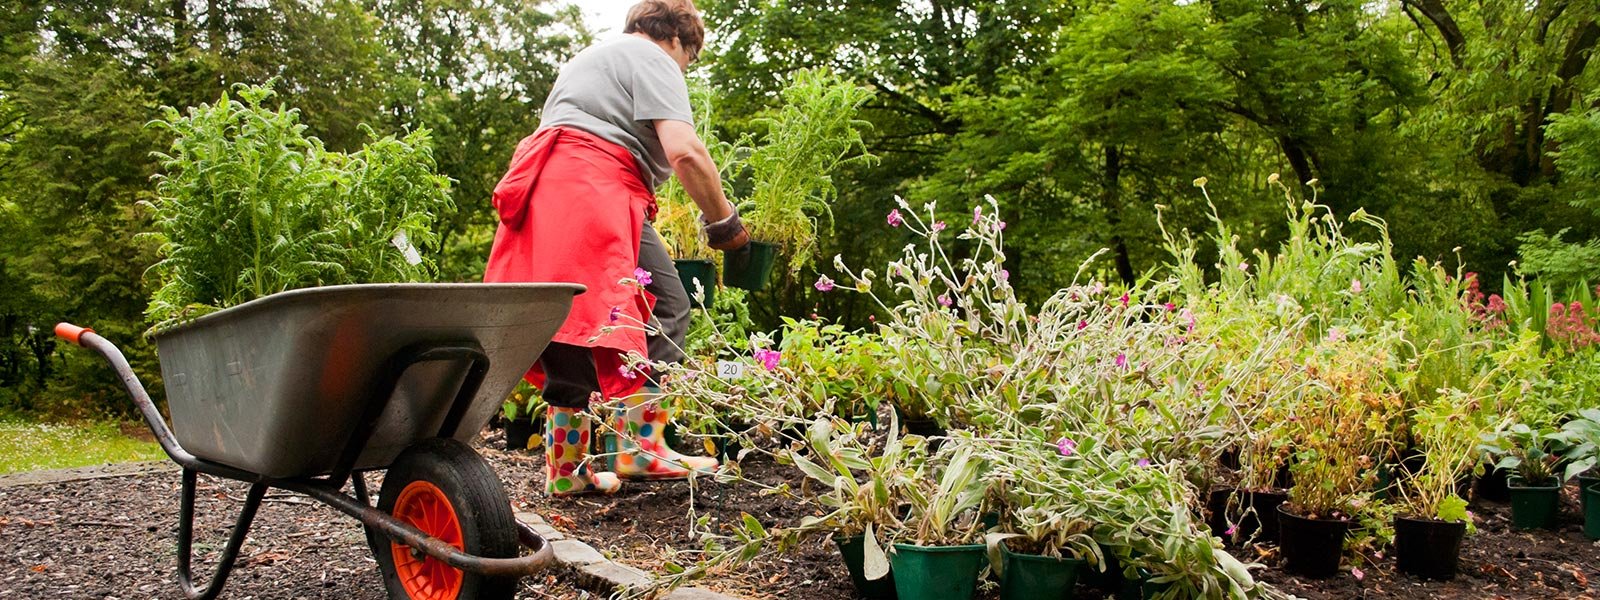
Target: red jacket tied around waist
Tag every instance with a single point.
(571, 207)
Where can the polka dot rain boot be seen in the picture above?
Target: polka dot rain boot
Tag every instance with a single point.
(641, 451)
(566, 446)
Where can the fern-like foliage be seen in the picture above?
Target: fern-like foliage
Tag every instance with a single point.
(249, 205)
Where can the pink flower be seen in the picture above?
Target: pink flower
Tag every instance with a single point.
(1232, 529)
(938, 226)
(642, 276)
(894, 218)
(1244, 266)
(769, 358)
(1096, 287)
(977, 214)
(1188, 319)
(616, 313)
(1000, 226)
(1170, 306)
(626, 372)
(1356, 571)
(824, 284)
(1143, 462)
(1066, 446)
(1122, 360)
(1334, 335)
(945, 301)
(1355, 286)
(1082, 325)
(1005, 275)
(1123, 299)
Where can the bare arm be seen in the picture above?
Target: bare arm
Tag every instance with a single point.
(693, 165)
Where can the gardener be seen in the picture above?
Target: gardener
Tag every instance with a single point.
(576, 206)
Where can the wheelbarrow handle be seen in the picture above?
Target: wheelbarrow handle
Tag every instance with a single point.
(87, 338)
(71, 333)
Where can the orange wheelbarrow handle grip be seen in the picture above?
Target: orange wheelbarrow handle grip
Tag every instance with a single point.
(71, 333)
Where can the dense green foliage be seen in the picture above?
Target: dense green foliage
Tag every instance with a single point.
(248, 206)
(1082, 117)
(1470, 125)
(79, 82)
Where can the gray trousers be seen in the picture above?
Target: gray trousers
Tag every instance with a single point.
(570, 370)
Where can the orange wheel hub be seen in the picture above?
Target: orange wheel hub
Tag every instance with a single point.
(424, 506)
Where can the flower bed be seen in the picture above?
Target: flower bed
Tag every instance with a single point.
(1095, 426)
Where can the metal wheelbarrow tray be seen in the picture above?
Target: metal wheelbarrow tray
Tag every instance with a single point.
(304, 390)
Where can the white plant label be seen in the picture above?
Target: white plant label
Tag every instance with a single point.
(402, 242)
(727, 369)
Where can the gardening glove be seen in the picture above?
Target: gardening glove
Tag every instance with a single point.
(726, 235)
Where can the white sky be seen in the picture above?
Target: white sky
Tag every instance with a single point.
(604, 16)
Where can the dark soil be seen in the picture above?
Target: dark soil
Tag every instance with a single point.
(114, 538)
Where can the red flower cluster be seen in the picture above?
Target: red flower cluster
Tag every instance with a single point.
(1490, 314)
(1570, 326)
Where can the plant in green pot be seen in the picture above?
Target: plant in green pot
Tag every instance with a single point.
(940, 552)
(812, 135)
(1581, 436)
(1535, 483)
(1433, 519)
(1038, 544)
(855, 484)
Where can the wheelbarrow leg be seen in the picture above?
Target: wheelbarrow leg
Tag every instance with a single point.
(258, 491)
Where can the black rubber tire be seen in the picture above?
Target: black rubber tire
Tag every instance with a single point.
(488, 528)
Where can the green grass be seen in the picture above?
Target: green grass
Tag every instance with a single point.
(32, 446)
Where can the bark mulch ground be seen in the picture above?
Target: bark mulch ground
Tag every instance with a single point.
(114, 538)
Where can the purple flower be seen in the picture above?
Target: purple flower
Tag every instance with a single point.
(626, 371)
(977, 214)
(945, 301)
(1122, 360)
(824, 284)
(769, 358)
(1000, 226)
(616, 313)
(642, 276)
(1066, 446)
(938, 226)
(1143, 462)
(894, 218)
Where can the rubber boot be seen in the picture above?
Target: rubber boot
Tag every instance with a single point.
(641, 451)
(566, 447)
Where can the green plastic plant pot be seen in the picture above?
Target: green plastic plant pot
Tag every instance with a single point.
(692, 270)
(1585, 480)
(936, 572)
(851, 549)
(751, 267)
(1591, 511)
(1030, 576)
(1533, 507)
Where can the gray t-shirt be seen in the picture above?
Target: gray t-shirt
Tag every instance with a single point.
(616, 90)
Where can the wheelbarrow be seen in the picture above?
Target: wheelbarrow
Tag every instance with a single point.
(307, 390)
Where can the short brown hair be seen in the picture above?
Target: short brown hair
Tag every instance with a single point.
(667, 19)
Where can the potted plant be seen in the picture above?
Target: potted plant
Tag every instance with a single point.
(858, 512)
(1249, 510)
(1433, 518)
(1341, 423)
(807, 139)
(523, 411)
(1581, 436)
(1037, 544)
(940, 553)
(1534, 482)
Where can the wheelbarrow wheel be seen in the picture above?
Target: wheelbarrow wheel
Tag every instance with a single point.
(445, 489)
